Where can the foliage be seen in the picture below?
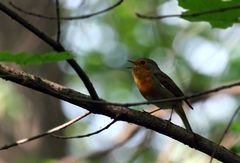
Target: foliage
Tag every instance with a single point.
(226, 12)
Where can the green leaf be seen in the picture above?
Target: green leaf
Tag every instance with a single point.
(218, 13)
(27, 58)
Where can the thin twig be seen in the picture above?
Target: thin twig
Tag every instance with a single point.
(227, 86)
(51, 131)
(58, 21)
(66, 18)
(126, 134)
(196, 14)
(225, 131)
(85, 135)
(55, 45)
(141, 147)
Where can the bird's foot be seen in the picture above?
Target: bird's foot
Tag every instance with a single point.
(170, 118)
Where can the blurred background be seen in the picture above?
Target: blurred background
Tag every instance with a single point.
(196, 56)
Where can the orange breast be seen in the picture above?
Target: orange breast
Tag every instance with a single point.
(144, 84)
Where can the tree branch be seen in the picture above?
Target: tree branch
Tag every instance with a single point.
(128, 132)
(121, 113)
(67, 18)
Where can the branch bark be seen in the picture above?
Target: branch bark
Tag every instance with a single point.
(119, 113)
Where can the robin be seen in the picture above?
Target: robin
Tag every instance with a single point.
(155, 85)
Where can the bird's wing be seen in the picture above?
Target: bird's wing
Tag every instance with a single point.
(169, 84)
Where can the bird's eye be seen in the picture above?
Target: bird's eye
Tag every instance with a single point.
(142, 62)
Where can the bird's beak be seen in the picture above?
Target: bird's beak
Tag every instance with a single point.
(130, 67)
(132, 62)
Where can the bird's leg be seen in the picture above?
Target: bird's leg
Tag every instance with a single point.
(155, 110)
(170, 118)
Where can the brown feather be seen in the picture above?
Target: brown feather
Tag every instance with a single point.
(169, 84)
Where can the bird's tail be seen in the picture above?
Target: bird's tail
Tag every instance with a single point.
(179, 110)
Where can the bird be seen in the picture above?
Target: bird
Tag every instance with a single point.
(154, 84)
